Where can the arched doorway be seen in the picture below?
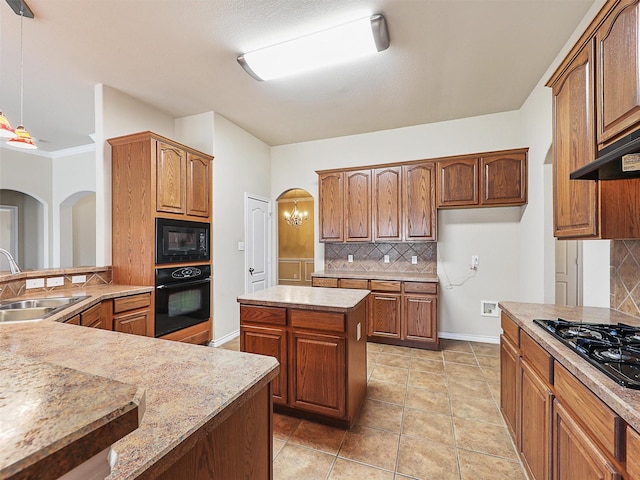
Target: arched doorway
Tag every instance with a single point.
(295, 237)
(78, 230)
(23, 229)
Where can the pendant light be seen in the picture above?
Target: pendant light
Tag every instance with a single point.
(22, 139)
(6, 130)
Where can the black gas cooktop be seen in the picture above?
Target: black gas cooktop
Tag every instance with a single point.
(614, 349)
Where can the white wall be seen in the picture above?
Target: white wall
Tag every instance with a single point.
(242, 164)
(491, 233)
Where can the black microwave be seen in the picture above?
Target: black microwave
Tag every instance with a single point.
(180, 241)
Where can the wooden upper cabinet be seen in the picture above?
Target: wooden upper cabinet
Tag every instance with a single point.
(357, 206)
(575, 202)
(387, 204)
(458, 182)
(618, 70)
(504, 179)
(170, 181)
(419, 201)
(330, 207)
(198, 185)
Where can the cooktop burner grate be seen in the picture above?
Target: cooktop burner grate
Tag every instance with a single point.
(613, 349)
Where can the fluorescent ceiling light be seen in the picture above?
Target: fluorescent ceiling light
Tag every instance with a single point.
(328, 47)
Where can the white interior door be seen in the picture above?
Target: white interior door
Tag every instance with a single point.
(568, 272)
(257, 243)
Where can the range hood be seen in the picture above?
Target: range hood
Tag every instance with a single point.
(619, 160)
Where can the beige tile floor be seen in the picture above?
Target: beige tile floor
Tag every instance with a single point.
(427, 415)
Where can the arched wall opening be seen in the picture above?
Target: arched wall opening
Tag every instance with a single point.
(295, 237)
(78, 230)
(23, 228)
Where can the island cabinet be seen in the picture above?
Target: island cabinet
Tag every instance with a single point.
(560, 428)
(491, 179)
(321, 349)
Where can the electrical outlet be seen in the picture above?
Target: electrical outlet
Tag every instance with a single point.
(35, 283)
(414, 259)
(350, 258)
(475, 261)
(55, 281)
(78, 279)
(386, 259)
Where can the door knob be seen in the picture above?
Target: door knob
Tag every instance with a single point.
(251, 270)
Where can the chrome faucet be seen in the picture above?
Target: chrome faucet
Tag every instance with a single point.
(13, 266)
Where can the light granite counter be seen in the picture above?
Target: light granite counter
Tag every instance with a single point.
(624, 401)
(310, 298)
(389, 276)
(188, 389)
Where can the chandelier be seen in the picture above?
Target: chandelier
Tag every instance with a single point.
(295, 217)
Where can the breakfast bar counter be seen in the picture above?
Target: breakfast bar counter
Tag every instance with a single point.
(203, 407)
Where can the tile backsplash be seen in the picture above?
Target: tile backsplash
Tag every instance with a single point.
(15, 285)
(369, 257)
(625, 276)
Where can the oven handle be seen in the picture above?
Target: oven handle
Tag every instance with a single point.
(183, 284)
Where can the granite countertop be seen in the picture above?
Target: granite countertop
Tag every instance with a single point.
(398, 276)
(312, 298)
(97, 412)
(622, 400)
(188, 389)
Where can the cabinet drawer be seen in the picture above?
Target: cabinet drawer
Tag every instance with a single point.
(272, 315)
(510, 329)
(131, 302)
(537, 358)
(353, 283)
(92, 317)
(324, 282)
(333, 322)
(601, 422)
(385, 286)
(420, 287)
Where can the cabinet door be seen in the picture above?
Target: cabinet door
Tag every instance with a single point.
(419, 202)
(170, 182)
(504, 180)
(198, 186)
(509, 386)
(330, 207)
(535, 427)
(574, 453)
(357, 206)
(92, 317)
(384, 319)
(575, 202)
(458, 183)
(272, 342)
(387, 204)
(618, 67)
(135, 323)
(318, 373)
(420, 318)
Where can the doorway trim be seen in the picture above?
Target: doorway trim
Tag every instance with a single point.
(247, 239)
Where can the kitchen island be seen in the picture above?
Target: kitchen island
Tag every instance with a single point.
(567, 418)
(319, 337)
(207, 411)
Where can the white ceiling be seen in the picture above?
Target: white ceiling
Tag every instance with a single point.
(448, 59)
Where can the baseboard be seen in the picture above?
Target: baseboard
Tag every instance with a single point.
(225, 339)
(468, 338)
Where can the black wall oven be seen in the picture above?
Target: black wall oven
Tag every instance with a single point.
(180, 241)
(183, 297)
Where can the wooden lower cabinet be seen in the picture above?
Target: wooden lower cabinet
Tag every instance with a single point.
(270, 341)
(420, 318)
(633, 454)
(239, 448)
(535, 427)
(509, 389)
(575, 455)
(322, 355)
(134, 323)
(318, 373)
(132, 314)
(384, 319)
(93, 317)
(199, 334)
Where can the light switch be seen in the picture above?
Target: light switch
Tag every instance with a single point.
(241, 246)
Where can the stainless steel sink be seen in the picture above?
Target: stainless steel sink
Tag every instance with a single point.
(34, 308)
